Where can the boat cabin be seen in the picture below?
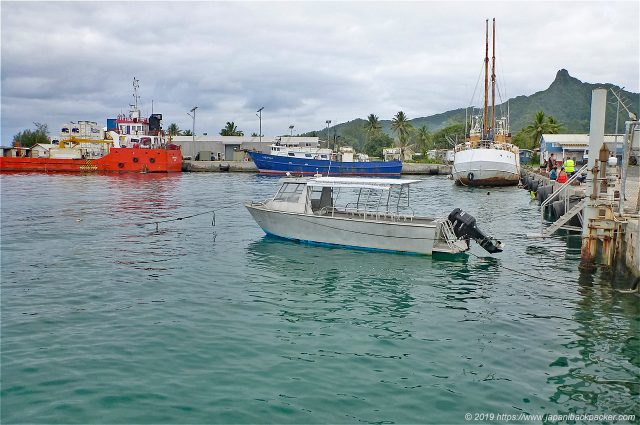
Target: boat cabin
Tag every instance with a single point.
(296, 151)
(368, 198)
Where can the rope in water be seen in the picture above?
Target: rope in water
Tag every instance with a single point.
(634, 290)
(168, 220)
(513, 270)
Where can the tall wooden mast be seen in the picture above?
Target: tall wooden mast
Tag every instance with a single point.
(486, 81)
(493, 80)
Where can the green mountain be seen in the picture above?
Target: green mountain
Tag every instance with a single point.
(567, 99)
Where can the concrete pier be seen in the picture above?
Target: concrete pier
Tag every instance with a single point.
(250, 167)
(219, 166)
(628, 248)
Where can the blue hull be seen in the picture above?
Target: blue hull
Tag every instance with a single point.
(273, 164)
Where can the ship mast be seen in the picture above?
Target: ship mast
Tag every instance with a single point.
(486, 81)
(135, 112)
(493, 80)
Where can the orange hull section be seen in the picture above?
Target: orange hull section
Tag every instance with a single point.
(117, 160)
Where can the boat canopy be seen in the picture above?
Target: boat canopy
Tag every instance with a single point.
(354, 182)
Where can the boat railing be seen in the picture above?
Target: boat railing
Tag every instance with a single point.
(485, 144)
(555, 195)
(351, 210)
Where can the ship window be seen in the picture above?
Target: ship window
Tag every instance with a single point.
(323, 156)
(75, 130)
(290, 192)
(65, 130)
(292, 154)
(308, 155)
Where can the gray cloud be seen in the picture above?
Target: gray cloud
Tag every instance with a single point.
(305, 62)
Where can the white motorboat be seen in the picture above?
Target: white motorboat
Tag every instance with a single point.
(366, 213)
(487, 157)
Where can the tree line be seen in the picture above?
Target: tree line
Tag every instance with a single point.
(422, 139)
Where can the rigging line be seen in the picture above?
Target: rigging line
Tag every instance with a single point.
(501, 75)
(473, 96)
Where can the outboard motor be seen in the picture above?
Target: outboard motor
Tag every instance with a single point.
(464, 226)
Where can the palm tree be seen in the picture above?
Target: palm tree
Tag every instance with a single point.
(402, 127)
(187, 133)
(174, 130)
(423, 137)
(554, 126)
(372, 126)
(542, 125)
(231, 130)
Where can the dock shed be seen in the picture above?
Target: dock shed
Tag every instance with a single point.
(232, 148)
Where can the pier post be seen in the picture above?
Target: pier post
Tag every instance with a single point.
(590, 213)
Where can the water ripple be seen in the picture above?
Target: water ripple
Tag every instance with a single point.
(107, 320)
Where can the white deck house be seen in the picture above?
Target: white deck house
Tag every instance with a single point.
(231, 148)
(41, 150)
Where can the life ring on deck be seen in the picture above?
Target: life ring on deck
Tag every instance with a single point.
(470, 176)
(152, 160)
(135, 159)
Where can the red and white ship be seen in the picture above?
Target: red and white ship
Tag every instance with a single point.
(129, 144)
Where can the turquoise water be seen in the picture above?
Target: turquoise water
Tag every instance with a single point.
(104, 321)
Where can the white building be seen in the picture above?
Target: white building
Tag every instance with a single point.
(232, 148)
(41, 150)
(392, 154)
(575, 146)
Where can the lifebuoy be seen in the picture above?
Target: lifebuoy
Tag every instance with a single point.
(470, 176)
(135, 159)
(152, 160)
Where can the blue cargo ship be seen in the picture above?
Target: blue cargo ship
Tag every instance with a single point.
(310, 164)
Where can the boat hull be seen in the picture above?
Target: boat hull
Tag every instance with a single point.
(353, 233)
(117, 160)
(486, 167)
(273, 164)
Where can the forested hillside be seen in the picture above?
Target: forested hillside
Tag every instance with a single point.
(567, 99)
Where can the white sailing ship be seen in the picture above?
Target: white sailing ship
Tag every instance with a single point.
(487, 157)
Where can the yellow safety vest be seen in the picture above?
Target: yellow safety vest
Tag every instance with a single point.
(568, 165)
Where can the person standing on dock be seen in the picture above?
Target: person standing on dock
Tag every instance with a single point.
(569, 165)
(562, 176)
(551, 163)
(553, 174)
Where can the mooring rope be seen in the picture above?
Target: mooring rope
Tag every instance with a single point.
(168, 220)
(634, 290)
(512, 270)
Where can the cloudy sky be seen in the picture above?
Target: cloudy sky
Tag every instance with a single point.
(304, 62)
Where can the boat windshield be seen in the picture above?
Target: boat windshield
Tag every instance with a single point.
(289, 192)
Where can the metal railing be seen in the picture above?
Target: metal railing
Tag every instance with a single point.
(449, 235)
(556, 194)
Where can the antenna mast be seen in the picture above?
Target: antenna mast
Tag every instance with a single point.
(486, 80)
